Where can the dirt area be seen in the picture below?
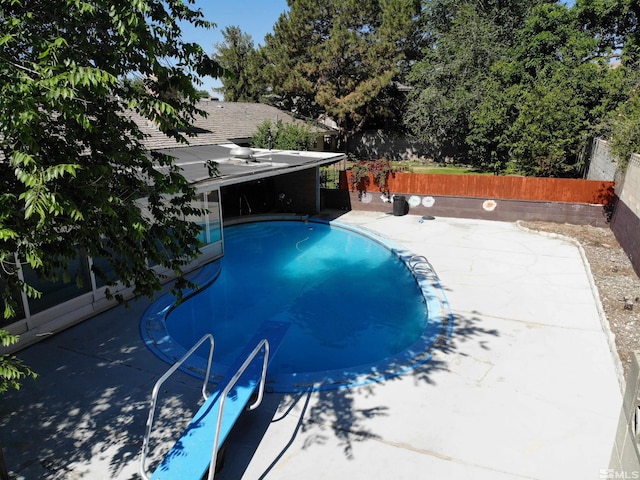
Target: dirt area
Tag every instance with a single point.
(617, 282)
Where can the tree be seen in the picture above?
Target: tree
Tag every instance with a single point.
(615, 23)
(341, 58)
(544, 98)
(624, 125)
(243, 80)
(74, 173)
(464, 39)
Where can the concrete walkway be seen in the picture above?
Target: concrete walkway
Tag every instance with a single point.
(526, 389)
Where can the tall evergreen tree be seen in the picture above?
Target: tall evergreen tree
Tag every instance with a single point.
(243, 79)
(341, 57)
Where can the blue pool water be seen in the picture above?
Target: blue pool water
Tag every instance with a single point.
(355, 308)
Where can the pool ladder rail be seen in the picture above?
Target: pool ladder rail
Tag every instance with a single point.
(420, 266)
(197, 448)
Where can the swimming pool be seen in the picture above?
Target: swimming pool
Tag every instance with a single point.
(357, 311)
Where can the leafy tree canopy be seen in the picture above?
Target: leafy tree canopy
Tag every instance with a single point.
(542, 102)
(283, 136)
(616, 25)
(74, 174)
(519, 87)
(464, 40)
(624, 125)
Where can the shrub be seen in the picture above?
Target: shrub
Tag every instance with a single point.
(380, 170)
(283, 136)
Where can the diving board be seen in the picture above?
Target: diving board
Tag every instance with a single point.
(196, 450)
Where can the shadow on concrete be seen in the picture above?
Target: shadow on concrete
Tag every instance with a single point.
(90, 402)
(327, 416)
(89, 406)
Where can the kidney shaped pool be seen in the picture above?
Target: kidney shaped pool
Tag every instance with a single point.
(357, 310)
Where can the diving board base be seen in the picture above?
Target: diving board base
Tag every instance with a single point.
(190, 457)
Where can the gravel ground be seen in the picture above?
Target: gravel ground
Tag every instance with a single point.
(617, 283)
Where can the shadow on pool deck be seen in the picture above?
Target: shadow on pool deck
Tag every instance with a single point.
(524, 389)
(331, 415)
(84, 416)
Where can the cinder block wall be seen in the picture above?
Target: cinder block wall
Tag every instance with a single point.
(602, 166)
(628, 189)
(625, 223)
(625, 457)
(503, 210)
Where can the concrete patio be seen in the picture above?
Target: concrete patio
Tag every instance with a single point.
(527, 388)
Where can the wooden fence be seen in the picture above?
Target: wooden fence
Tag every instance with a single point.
(596, 192)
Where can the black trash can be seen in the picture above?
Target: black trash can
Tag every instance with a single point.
(399, 205)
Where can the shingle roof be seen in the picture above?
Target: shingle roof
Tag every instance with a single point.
(225, 123)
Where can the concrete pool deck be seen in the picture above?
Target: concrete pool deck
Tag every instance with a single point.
(527, 387)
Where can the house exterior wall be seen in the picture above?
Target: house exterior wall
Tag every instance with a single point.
(69, 305)
(299, 189)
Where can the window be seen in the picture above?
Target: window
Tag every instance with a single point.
(53, 293)
(214, 226)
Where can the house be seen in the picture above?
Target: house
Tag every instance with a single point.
(231, 181)
(233, 122)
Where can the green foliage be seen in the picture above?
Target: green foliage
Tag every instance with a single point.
(12, 369)
(202, 93)
(341, 58)
(74, 173)
(380, 170)
(450, 80)
(615, 24)
(283, 136)
(625, 127)
(517, 87)
(243, 80)
(543, 102)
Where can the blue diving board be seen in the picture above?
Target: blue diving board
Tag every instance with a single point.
(190, 457)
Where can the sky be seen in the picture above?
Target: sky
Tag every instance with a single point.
(254, 17)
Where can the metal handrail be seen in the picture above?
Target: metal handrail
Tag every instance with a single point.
(223, 396)
(420, 264)
(156, 389)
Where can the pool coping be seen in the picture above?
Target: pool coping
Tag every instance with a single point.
(157, 339)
